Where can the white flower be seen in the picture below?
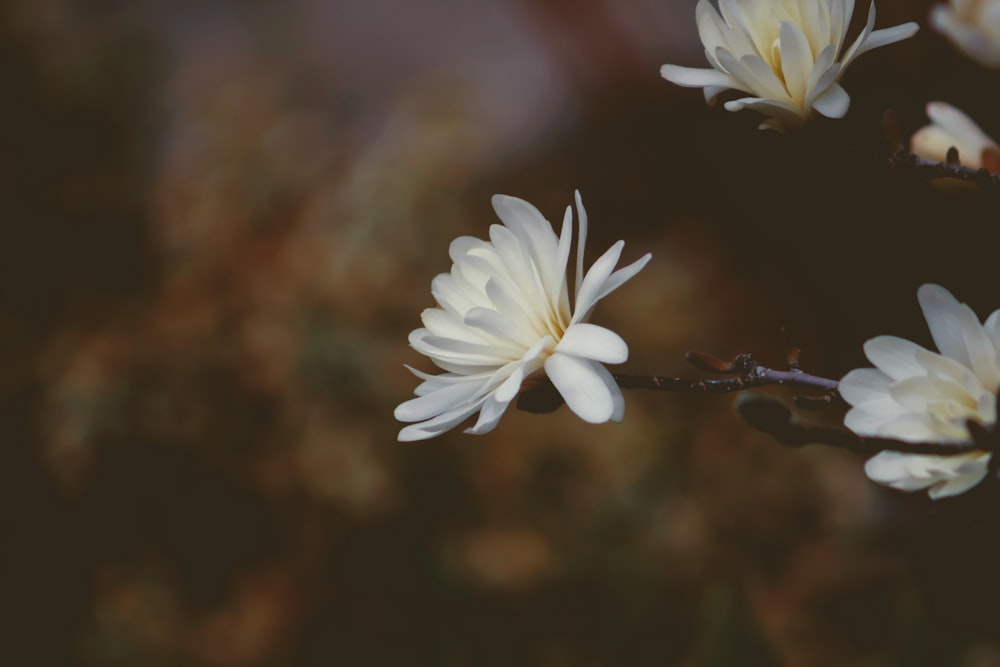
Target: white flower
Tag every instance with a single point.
(916, 395)
(504, 318)
(951, 127)
(783, 53)
(973, 26)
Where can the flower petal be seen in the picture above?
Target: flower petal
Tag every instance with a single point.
(961, 483)
(853, 51)
(440, 424)
(697, 77)
(623, 275)
(787, 116)
(594, 282)
(593, 342)
(833, 103)
(753, 75)
(583, 386)
(894, 469)
(796, 60)
(436, 403)
(952, 324)
(489, 415)
(886, 36)
(894, 356)
(863, 385)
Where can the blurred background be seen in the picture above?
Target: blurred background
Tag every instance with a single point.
(218, 223)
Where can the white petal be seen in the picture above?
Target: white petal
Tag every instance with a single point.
(617, 400)
(714, 31)
(965, 134)
(796, 60)
(894, 356)
(840, 19)
(445, 324)
(855, 48)
(893, 469)
(712, 92)
(594, 282)
(458, 350)
(864, 385)
(925, 428)
(435, 403)
(440, 424)
(813, 22)
(582, 386)
(462, 245)
(960, 484)
(593, 342)
(824, 73)
(623, 275)
(581, 243)
(886, 36)
(536, 237)
(560, 298)
(753, 75)
(933, 142)
(786, 115)
(869, 423)
(695, 77)
(917, 393)
(509, 388)
(992, 328)
(502, 330)
(507, 305)
(489, 416)
(833, 103)
(948, 321)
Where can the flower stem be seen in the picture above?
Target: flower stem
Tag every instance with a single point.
(749, 374)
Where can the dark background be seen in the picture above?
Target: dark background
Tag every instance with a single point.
(218, 222)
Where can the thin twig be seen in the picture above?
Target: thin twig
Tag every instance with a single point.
(749, 374)
(933, 169)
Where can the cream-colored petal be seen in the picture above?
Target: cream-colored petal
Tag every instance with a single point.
(593, 342)
(694, 77)
(833, 103)
(582, 386)
(787, 116)
(894, 356)
(796, 61)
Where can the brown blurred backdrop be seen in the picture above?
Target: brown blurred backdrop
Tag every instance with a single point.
(220, 220)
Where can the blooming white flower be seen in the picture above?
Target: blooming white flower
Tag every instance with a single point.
(783, 53)
(973, 26)
(916, 395)
(951, 127)
(504, 318)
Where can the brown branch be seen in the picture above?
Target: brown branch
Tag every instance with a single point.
(749, 374)
(769, 414)
(929, 169)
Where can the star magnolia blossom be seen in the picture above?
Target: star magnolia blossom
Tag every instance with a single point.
(783, 53)
(504, 318)
(916, 395)
(973, 26)
(951, 127)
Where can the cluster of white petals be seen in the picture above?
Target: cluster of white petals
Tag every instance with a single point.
(973, 26)
(951, 127)
(916, 395)
(787, 55)
(505, 317)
